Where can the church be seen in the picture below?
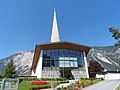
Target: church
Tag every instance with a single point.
(60, 59)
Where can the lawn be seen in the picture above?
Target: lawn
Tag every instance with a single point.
(118, 88)
(26, 85)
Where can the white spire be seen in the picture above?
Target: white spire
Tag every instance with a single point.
(55, 33)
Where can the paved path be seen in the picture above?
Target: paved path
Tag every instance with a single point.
(61, 85)
(104, 85)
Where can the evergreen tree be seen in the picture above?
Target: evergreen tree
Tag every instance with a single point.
(9, 71)
(116, 34)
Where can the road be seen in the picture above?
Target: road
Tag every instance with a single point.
(104, 85)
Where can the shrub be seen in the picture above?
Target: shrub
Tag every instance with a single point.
(44, 79)
(40, 87)
(54, 79)
(29, 79)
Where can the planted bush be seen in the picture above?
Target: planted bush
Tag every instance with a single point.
(29, 79)
(40, 87)
(89, 81)
(54, 79)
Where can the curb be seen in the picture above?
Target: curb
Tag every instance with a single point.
(116, 86)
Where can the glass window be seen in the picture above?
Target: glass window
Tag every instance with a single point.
(66, 58)
(79, 53)
(44, 51)
(74, 52)
(52, 63)
(52, 55)
(61, 63)
(44, 61)
(71, 64)
(56, 55)
(79, 64)
(63, 58)
(44, 64)
(48, 52)
(75, 64)
(56, 63)
(70, 51)
(48, 64)
(52, 51)
(56, 50)
(67, 64)
(60, 50)
(81, 61)
(44, 56)
(65, 51)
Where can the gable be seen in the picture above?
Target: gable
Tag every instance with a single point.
(57, 45)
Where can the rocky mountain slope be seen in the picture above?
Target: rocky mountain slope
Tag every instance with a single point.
(22, 60)
(108, 57)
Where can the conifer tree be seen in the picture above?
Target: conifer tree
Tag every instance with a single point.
(9, 71)
(116, 34)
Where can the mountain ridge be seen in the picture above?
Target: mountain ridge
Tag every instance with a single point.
(107, 56)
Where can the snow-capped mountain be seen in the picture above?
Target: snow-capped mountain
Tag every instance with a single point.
(108, 57)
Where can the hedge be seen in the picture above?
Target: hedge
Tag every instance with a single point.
(40, 87)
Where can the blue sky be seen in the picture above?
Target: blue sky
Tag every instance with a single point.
(25, 23)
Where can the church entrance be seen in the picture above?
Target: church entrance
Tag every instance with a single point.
(66, 73)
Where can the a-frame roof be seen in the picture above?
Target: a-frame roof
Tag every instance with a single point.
(57, 45)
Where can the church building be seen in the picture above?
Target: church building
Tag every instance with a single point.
(60, 59)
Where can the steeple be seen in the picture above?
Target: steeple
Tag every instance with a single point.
(55, 33)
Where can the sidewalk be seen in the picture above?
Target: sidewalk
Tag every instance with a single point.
(61, 85)
(104, 85)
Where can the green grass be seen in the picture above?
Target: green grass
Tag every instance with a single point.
(118, 88)
(26, 85)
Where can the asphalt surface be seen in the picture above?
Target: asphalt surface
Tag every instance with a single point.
(104, 85)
